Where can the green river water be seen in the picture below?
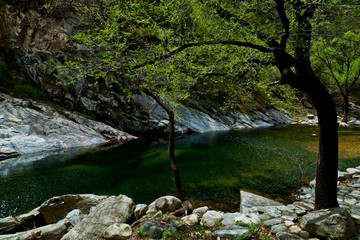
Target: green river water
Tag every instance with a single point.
(213, 167)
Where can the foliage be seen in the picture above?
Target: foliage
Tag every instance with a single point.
(253, 227)
(140, 233)
(168, 234)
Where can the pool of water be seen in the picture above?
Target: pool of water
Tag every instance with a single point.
(213, 167)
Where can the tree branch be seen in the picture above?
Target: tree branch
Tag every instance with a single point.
(190, 45)
(284, 20)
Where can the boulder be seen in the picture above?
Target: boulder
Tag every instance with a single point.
(118, 231)
(57, 208)
(211, 217)
(165, 204)
(151, 229)
(250, 201)
(140, 210)
(115, 209)
(200, 211)
(334, 222)
(233, 232)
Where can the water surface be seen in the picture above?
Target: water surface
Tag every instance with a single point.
(213, 167)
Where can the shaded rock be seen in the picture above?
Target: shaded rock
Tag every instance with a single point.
(177, 224)
(49, 232)
(233, 232)
(57, 208)
(24, 221)
(278, 228)
(211, 217)
(286, 236)
(200, 211)
(165, 204)
(151, 229)
(191, 219)
(140, 210)
(352, 170)
(118, 231)
(115, 209)
(232, 218)
(170, 227)
(249, 202)
(335, 221)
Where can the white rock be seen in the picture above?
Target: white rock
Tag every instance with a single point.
(191, 219)
(352, 170)
(140, 210)
(232, 218)
(211, 217)
(118, 231)
(200, 211)
(294, 229)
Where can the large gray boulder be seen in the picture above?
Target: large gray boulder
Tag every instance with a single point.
(165, 204)
(57, 208)
(334, 222)
(151, 229)
(115, 209)
(211, 217)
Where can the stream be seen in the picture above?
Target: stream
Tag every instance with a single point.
(213, 167)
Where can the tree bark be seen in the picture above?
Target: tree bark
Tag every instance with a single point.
(327, 165)
(346, 109)
(171, 144)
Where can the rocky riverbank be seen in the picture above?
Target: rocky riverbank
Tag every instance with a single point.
(95, 217)
(30, 127)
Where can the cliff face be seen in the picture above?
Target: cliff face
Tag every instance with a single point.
(30, 34)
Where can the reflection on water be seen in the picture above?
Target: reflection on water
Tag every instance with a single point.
(213, 167)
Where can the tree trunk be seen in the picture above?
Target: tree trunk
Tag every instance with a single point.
(171, 144)
(346, 109)
(327, 165)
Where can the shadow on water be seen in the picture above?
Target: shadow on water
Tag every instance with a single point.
(213, 167)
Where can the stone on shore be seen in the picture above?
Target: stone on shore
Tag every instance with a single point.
(211, 217)
(57, 208)
(118, 231)
(115, 209)
(233, 232)
(165, 204)
(249, 202)
(334, 222)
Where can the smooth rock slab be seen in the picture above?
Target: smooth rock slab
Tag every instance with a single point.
(335, 221)
(115, 209)
(249, 202)
(233, 232)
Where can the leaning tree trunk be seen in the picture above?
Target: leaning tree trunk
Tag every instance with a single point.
(327, 165)
(171, 144)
